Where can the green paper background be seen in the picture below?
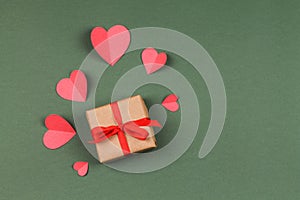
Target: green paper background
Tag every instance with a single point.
(256, 47)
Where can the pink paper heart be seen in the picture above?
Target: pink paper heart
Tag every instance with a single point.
(73, 88)
(170, 103)
(152, 60)
(59, 132)
(112, 44)
(81, 167)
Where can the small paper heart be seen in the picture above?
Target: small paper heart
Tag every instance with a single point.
(152, 60)
(111, 45)
(73, 88)
(170, 103)
(59, 132)
(81, 167)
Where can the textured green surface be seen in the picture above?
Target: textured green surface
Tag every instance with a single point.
(256, 46)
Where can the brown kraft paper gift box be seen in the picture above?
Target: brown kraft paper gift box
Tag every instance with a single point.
(131, 109)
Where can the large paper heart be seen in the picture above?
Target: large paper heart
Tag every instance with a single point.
(81, 167)
(152, 60)
(59, 132)
(170, 103)
(73, 88)
(112, 44)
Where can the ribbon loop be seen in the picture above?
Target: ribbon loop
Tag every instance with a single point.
(135, 131)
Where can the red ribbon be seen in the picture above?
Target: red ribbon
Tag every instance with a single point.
(132, 128)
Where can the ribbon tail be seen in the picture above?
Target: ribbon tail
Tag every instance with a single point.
(154, 123)
(147, 122)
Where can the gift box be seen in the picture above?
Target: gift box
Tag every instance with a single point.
(121, 128)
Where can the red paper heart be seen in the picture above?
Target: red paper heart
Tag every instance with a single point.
(152, 60)
(170, 103)
(81, 167)
(59, 132)
(112, 44)
(73, 88)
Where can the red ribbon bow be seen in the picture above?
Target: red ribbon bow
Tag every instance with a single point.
(132, 128)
